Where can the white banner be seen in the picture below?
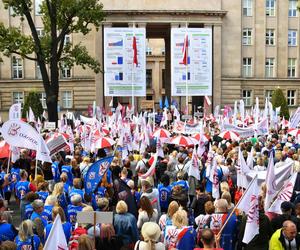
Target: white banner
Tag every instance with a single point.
(123, 77)
(15, 111)
(197, 74)
(20, 134)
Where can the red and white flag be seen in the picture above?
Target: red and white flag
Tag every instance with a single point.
(194, 167)
(57, 238)
(135, 51)
(152, 163)
(270, 183)
(252, 224)
(284, 195)
(185, 50)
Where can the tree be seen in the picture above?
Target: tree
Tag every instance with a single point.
(278, 100)
(60, 18)
(33, 101)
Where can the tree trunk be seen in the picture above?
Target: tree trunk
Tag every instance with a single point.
(52, 99)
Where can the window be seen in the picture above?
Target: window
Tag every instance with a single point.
(247, 67)
(17, 68)
(37, 4)
(43, 99)
(291, 67)
(270, 37)
(148, 51)
(292, 8)
(18, 97)
(269, 94)
(270, 7)
(247, 36)
(38, 74)
(291, 97)
(65, 71)
(67, 39)
(67, 99)
(247, 97)
(149, 78)
(40, 32)
(292, 38)
(269, 67)
(247, 7)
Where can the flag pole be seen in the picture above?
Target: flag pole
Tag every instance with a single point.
(186, 71)
(132, 71)
(235, 207)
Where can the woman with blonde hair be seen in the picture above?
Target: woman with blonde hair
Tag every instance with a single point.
(166, 219)
(59, 193)
(26, 239)
(67, 226)
(151, 233)
(85, 242)
(187, 237)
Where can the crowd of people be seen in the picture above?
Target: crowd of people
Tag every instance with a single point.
(169, 209)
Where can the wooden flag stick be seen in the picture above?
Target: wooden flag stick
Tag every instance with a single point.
(235, 207)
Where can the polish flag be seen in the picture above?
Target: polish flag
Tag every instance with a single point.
(185, 50)
(134, 47)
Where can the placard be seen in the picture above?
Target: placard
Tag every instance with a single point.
(147, 104)
(49, 125)
(123, 77)
(101, 217)
(195, 78)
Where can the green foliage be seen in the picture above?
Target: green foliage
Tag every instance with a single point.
(278, 100)
(33, 101)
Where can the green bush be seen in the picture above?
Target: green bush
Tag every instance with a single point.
(33, 101)
(278, 100)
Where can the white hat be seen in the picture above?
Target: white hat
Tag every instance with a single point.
(151, 231)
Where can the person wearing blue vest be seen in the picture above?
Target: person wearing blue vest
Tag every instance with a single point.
(67, 226)
(22, 188)
(164, 190)
(26, 239)
(76, 189)
(7, 230)
(43, 191)
(67, 168)
(59, 193)
(181, 182)
(38, 212)
(55, 171)
(30, 197)
(75, 207)
(49, 205)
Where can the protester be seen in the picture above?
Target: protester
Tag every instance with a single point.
(26, 238)
(146, 212)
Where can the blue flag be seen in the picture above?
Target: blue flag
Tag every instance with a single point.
(166, 102)
(95, 173)
(160, 104)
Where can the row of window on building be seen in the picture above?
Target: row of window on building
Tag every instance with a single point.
(270, 7)
(66, 98)
(269, 67)
(291, 96)
(270, 37)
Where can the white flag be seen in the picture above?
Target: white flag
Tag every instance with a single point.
(15, 111)
(43, 153)
(244, 204)
(295, 119)
(284, 195)
(252, 224)
(56, 238)
(194, 167)
(31, 115)
(270, 183)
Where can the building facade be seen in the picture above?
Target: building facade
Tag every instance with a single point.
(255, 50)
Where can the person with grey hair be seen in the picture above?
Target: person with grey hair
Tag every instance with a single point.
(7, 230)
(229, 233)
(38, 212)
(51, 201)
(76, 206)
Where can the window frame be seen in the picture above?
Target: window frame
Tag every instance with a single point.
(247, 7)
(64, 100)
(42, 96)
(271, 66)
(270, 10)
(247, 68)
(247, 39)
(293, 12)
(270, 37)
(17, 67)
(247, 99)
(19, 100)
(291, 98)
(292, 37)
(292, 71)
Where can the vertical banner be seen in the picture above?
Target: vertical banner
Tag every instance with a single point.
(198, 74)
(124, 66)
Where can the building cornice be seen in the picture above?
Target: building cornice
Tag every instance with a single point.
(219, 13)
(260, 79)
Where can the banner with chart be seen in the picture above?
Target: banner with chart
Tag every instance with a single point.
(124, 62)
(191, 62)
